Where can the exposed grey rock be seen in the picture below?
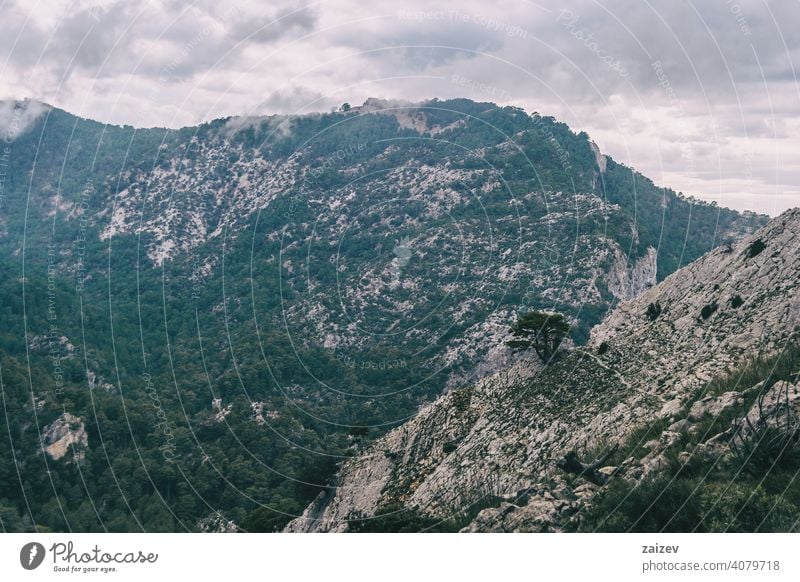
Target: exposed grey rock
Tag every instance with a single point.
(538, 515)
(217, 523)
(680, 425)
(601, 160)
(510, 429)
(671, 408)
(67, 433)
(652, 464)
(608, 471)
(626, 280)
(714, 405)
(715, 447)
(220, 412)
(777, 406)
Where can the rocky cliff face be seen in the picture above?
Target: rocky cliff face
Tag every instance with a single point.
(504, 441)
(66, 434)
(627, 280)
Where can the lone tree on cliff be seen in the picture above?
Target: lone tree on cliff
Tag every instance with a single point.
(541, 331)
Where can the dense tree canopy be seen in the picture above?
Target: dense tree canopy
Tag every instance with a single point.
(541, 331)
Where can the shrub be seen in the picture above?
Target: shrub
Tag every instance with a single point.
(541, 331)
(652, 506)
(653, 310)
(461, 399)
(770, 448)
(265, 520)
(753, 489)
(709, 310)
(746, 507)
(359, 431)
(737, 301)
(602, 348)
(395, 518)
(755, 248)
(700, 504)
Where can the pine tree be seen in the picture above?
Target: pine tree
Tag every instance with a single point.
(541, 331)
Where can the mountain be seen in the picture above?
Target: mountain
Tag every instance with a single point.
(680, 414)
(200, 325)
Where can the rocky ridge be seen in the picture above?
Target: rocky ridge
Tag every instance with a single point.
(353, 207)
(649, 362)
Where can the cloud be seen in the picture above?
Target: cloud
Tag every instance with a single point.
(293, 100)
(263, 28)
(16, 117)
(273, 126)
(87, 38)
(679, 90)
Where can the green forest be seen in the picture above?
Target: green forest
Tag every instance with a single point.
(206, 397)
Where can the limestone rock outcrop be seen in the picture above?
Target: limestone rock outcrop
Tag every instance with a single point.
(497, 443)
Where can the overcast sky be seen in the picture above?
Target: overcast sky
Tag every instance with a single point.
(704, 99)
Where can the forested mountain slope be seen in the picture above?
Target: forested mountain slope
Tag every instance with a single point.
(681, 414)
(199, 325)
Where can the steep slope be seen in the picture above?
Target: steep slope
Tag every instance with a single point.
(501, 442)
(245, 303)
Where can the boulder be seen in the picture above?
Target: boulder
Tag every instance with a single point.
(714, 405)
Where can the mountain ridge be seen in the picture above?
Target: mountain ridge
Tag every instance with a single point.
(272, 299)
(484, 445)
(371, 105)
